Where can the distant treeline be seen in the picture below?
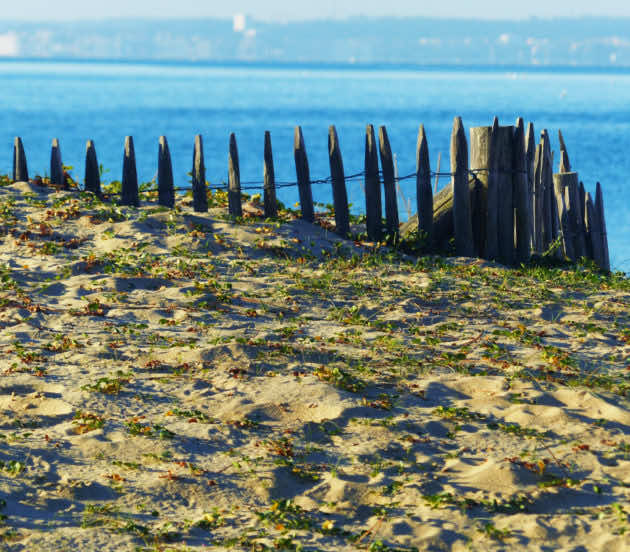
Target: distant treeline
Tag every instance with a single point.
(583, 41)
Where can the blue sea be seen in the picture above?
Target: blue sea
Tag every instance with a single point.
(76, 101)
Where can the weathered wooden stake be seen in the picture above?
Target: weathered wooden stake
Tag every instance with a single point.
(593, 233)
(575, 215)
(129, 194)
(166, 185)
(565, 164)
(57, 177)
(521, 194)
(483, 160)
(547, 224)
(92, 173)
(199, 188)
(373, 205)
(462, 222)
(424, 194)
(530, 154)
(437, 174)
(20, 169)
(505, 194)
(389, 183)
(599, 208)
(269, 177)
(303, 176)
(538, 199)
(235, 207)
(340, 195)
(562, 199)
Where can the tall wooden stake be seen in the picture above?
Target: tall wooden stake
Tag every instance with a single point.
(269, 176)
(235, 207)
(199, 188)
(129, 194)
(462, 222)
(389, 183)
(92, 172)
(423, 189)
(340, 195)
(166, 187)
(20, 169)
(303, 176)
(373, 205)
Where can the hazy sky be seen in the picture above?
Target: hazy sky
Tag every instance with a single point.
(293, 9)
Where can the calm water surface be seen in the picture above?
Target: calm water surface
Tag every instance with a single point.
(107, 101)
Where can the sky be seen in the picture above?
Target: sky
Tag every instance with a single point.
(38, 10)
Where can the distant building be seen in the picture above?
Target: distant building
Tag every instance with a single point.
(9, 45)
(239, 22)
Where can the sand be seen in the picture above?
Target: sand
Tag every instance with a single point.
(177, 381)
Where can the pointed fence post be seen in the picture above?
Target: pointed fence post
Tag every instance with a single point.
(20, 169)
(462, 222)
(129, 195)
(530, 155)
(575, 215)
(521, 194)
(199, 189)
(424, 194)
(593, 234)
(303, 176)
(56, 166)
(269, 177)
(166, 187)
(340, 195)
(491, 239)
(538, 200)
(565, 164)
(599, 208)
(92, 172)
(235, 207)
(548, 234)
(373, 205)
(389, 184)
(562, 199)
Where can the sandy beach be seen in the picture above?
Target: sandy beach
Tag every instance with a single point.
(176, 381)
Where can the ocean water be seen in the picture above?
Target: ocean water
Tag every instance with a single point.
(108, 101)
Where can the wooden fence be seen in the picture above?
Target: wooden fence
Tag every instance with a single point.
(504, 202)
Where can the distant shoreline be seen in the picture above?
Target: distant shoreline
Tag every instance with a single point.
(326, 66)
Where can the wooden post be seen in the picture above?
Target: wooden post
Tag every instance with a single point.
(389, 183)
(269, 177)
(424, 194)
(483, 149)
(129, 194)
(235, 207)
(575, 215)
(562, 199)
(505, 196)
(166, 187)
(538, 200)
(373, 205)
(462, 222)
(582, 228)
(20, 169)
(593, 234)
(199, 189)
(303, 176)
(437, 174)
(599, 208)
(530, 154)
(340, 195)
(56, 166)
(92, 172)
(521, 194)
(546, 190)
(565, 164)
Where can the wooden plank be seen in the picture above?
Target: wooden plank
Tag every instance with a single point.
(483, 163)
(424, 194)
(601, 218)
(530, 154)
(92, 172)
(235, 207)
(521, 194)
(373, 205)
(20, 169)
(303, 176)
(340, 195)
(269, 177)
(199, 188)
(561, 197)
(547, 224)
(389, 184)
(565, 164)
(165, 182)
(575, 214)
(505, 149)
(57, 177)
(462, 221)
(593, 235)
(537, 201)
(129, 194)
